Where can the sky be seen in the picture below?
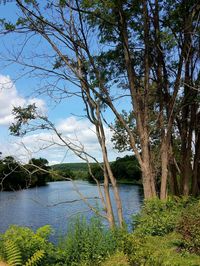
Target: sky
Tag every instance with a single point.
(18, 89)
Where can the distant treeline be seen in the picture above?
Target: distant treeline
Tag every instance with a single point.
(70, 166)
(15, 176)
(125, 169)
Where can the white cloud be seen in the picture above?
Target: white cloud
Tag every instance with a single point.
(71, 124)
(79, 131)
(9, 98)
(40, 144)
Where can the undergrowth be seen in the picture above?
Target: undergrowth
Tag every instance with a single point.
(165, 233)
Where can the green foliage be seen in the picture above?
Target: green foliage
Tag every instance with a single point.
(120, 137)
(14, 258)
(22, 116)
(117, 259)
(38, 171)
(97, 172)
(91, 243)
(60, 175)
(189, 228)
(70, 166)
(87, 243)
(13, 254)
(9, 26)
(36, 258)
(69, 170)
(158, 217)
(83, 175)
(30, 244)
(14, 176)
(155, 240)
(126, 168)
(157, 250)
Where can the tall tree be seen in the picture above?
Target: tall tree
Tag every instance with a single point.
(157, 43)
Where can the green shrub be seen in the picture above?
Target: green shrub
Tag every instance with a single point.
(13, 255)
(29, 242)
(117, 259)
(157, 251)
(87, 243)
(189, 228)
(84, 244)
(155, 240)
(159, 217)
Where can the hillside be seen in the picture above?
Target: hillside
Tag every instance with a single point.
(70, 166)
(125, 169)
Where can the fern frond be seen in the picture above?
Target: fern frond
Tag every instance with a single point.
(13, 253)
(35, 258)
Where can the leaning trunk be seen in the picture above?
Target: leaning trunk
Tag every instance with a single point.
(102, 140)
(109, 209)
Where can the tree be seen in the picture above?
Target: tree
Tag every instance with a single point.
(11, 174)
(145, 36)
(127, 168)
(150, 56)
(38, 171)
(15, 176)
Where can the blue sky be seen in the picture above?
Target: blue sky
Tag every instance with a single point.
(19, 89)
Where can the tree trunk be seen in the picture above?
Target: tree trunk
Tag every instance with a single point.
(149, 189)
(102, 141)
(109, 209)
(164, 168)
(140, 108)
(196, 167)
(148, 176)
(173, 183)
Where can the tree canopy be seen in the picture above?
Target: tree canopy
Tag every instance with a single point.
(15, 176)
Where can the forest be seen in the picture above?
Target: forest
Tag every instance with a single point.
(37, 172)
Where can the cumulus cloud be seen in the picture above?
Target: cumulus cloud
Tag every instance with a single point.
(46, 144)
(9, 98)
(74, 131)
(80, 129)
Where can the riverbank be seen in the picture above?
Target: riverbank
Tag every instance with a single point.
(166, 233)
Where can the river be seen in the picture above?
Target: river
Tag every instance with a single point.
(57, 203)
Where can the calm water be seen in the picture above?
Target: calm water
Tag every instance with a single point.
(53, 205)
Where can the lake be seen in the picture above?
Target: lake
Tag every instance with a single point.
(58, 203)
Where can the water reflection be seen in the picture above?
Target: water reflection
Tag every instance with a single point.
(54, 205)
